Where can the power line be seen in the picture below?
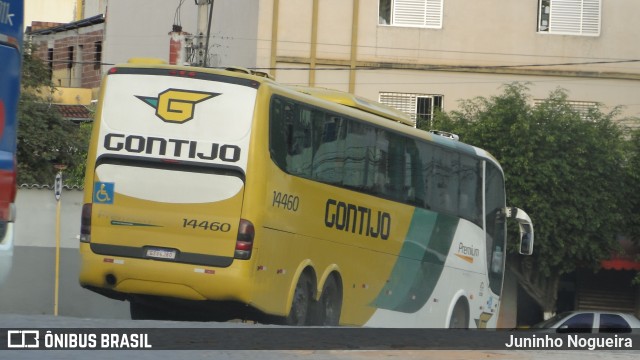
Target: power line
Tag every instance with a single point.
(388, 66)
(177, 17)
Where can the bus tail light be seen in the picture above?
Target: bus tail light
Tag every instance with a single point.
(85, 223)
(8, 191)
(244, 242)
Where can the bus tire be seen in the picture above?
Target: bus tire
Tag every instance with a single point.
(142, 311)
(460, 315)
(330, 304)
(300, 312)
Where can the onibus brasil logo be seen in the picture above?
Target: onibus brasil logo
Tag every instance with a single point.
(176, 106)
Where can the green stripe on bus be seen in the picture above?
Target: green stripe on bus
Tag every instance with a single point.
(420, 262)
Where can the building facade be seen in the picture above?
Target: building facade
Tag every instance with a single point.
(423, 54)
(72, 49)
(73, 52)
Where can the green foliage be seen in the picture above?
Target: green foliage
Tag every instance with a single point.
(633, 195)
(74, 175)
(567, 172)
(44, 138)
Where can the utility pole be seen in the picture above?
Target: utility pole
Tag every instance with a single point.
(201, 46)
(58, 194)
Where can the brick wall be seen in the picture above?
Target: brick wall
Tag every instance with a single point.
(84, 71)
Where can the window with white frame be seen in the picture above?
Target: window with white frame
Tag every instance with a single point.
(420, 107)
(417, 13)
(581, 107)
(569, 17)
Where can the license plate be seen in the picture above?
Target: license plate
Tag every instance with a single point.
(161, 254)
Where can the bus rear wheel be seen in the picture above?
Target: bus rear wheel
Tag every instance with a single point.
(142, 311)
(330, 304)
(301, 306)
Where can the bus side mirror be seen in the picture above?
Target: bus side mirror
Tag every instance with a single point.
(526, 229)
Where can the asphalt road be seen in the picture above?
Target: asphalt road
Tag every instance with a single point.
(229, 341)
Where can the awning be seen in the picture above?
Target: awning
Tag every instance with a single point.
(620, 264)
(626, 258)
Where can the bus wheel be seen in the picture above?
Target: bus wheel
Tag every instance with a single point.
(301, 305)
(459, 316)
(330, 303)
(141, 311)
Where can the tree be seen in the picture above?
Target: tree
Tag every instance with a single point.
(633, 177)
(44, 137)
(564, 170)
(632, 226)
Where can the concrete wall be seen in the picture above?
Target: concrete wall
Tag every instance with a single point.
(29, 289)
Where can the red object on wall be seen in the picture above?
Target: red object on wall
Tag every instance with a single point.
(627, 259)
(177, 46)
(620, 264)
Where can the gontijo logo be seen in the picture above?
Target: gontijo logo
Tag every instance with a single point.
(176, 106)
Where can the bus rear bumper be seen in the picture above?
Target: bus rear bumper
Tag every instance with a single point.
(123, 278)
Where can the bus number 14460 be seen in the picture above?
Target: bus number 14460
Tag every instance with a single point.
(206, 225)
(285, 201)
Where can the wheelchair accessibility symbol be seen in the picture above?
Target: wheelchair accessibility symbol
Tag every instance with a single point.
(103, 193)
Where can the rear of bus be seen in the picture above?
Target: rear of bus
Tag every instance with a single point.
(165, 184)
(11, 18)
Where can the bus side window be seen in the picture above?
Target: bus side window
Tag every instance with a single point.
(278, 136)
(444, 176)
(328, 157)
(404, 171)
(360, 140)
(379, 163)
(290, 118)
(300, 157)
(396, 167)
(415, 175)
(495, 226)
(426, 161)
(453, 184)
(470, 194)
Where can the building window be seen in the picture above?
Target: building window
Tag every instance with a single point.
(97, 56)
(569, 17)
(70, 57)
(50, 61)
(418, 13)
(420, 107)
(581, 107)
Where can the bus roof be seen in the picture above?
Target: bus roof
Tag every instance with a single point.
(359, 103)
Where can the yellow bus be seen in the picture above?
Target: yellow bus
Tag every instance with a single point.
(216, 193)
